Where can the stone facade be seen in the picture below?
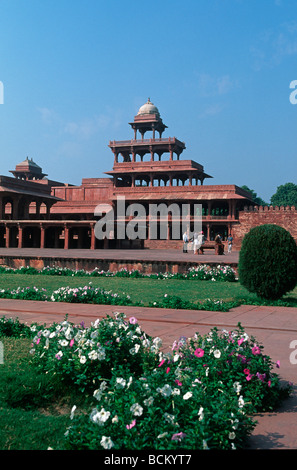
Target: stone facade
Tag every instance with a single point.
(251, 217)
(38, 212)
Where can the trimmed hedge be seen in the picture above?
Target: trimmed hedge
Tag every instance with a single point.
(268, 261)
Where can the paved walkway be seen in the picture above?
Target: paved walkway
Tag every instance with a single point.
(274, 327)
(136, 255)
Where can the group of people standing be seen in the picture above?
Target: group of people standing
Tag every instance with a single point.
(199, 240)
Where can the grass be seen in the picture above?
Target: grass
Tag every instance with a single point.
(144, 289)
(34, 411)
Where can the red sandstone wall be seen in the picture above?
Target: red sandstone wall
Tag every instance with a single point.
(285, 217)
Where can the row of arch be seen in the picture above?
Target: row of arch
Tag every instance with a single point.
(83, 237)
(160, 180)
(23, 208)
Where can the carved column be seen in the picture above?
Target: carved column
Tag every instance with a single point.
(66, 237)
(42, 236)
(20, 240)
(7, 236)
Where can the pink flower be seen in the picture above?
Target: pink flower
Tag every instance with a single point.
(132, 320)
(178, 437)
(167, 370)
(277, 364)
(241, 340)
(269, 383)
(130, 426)
(178, 383)
(246, 371)
(256, 350)
(38, 341)
(249, 377)
(161, 363)
(71, 343)
(199, 352)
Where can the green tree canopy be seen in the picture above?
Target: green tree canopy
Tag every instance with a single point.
(286, 195)
(258, 200)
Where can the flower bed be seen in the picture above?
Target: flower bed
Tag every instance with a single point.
(201, 272)
(199, 396)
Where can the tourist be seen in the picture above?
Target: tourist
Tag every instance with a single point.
(200, 243)
(219, 245)
(230, 242)
(185, 242)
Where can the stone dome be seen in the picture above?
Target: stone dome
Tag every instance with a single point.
(148, 108)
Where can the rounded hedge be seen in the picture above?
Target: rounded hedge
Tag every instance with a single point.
(268, 261)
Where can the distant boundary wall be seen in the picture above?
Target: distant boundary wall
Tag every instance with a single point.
(284, 216)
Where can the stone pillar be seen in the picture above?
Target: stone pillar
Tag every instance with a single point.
(66, 237)
(93, 238)
(20, 240)
(7, 235)
(152, 153)
(42, 236)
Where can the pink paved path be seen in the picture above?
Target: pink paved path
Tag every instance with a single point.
(274, 327)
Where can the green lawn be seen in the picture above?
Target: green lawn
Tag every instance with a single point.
(142, 289)
(25, 400)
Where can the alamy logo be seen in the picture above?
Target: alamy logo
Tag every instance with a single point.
(1, 93)
(293, 94)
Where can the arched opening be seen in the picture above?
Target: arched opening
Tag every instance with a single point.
(31, 237)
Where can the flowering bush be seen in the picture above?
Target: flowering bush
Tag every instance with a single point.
(12, 327)
(200, 396)
(78, 355)
(89, 294)
(24, 293)
(157, 411)
(200, 272)
(233, 359)
(173, 301)
(215, 273)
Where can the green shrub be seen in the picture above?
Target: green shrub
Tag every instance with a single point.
(268, 261)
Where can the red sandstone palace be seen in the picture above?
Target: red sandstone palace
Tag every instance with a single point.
(38, 212)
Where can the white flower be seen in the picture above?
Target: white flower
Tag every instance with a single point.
(83, 359)
(187, 395)
(240, 402)
(115, 419)
(136, 409)
(176, 357)
(169, 418)
(165, 391)
(93, 355)
(217, 353)
(99, 417)
(72, 412)
(63, 342)
(46, 333)
(232, 435)
(120, 382)
(149, 401)
(200, 413)
(106, 442)
(237, 386)
(101, 355)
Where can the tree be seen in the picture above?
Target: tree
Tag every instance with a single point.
(258, 200)
(268, 261)
(286, 195)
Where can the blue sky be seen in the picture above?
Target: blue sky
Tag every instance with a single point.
(76, 72)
